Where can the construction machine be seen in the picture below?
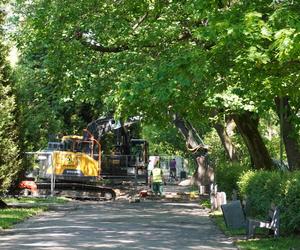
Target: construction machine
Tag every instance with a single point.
(75, 165)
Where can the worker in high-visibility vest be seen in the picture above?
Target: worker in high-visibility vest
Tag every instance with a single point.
(157, 180)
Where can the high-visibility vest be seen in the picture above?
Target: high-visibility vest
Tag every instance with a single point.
(157, 175)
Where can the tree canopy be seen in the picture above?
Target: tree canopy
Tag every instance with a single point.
(202, 60)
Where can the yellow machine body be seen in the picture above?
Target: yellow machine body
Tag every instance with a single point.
(74, 164)
(73, 159)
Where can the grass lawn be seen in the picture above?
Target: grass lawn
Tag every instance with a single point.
(36, 200)
(11, 216)
(262, 242)
(283, 243)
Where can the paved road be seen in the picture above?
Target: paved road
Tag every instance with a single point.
(118, 225)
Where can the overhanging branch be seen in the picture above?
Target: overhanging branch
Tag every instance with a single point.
(97, 46)
(140, 21)
(85, 38)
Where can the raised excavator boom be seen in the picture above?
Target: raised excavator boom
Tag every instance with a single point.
(101, 126)
(124, 156)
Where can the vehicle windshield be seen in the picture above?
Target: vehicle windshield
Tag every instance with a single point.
(68, 145)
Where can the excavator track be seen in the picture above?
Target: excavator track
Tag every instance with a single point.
(78, 191)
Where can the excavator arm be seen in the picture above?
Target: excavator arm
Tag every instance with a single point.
(99, 127)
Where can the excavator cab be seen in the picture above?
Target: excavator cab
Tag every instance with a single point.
(77, 144)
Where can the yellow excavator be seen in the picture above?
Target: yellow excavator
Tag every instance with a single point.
(74, 165)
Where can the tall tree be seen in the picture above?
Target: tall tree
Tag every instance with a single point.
(9, 161)
(247, 124)
(286, 116)
(204, 174)
(148, 56)
(224, 132)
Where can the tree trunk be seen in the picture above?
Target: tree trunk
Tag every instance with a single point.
(204, 175)
(248, 127)
(226, 140)
(288, 132)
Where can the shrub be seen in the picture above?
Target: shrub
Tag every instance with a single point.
(260, 188)
(227, 172)
(291, 203)
(227, 176)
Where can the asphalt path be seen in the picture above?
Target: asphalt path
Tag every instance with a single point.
(118, 225)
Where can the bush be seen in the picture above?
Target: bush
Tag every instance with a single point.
(227, 176)
(291, 203)
(261, 188)
(227, 172)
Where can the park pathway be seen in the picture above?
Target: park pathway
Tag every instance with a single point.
(118, 225)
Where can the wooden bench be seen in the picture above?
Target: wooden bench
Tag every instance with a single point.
(272, 223)
(235, 217)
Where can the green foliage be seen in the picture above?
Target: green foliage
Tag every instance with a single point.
(43, 110)
(205, 203)
(9, 162)
(261, 188)
(227, 176)
(227, 172)
(291, 202)
(147, 57)
(269, 129)
(163, 140)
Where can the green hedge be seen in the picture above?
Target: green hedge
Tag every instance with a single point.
(291, 203)
(227, 176)
(260, 188)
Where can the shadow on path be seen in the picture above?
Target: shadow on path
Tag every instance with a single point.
(119, 225)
